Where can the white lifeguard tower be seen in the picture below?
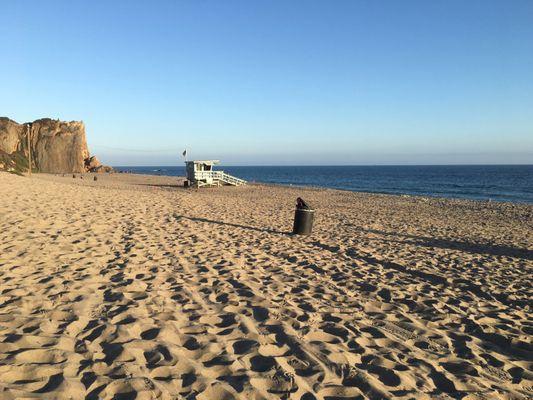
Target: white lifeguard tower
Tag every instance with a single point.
(200, 173)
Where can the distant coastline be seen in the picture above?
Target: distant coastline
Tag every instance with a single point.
(504, 183)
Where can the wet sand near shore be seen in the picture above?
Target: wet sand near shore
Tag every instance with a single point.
(132, 287)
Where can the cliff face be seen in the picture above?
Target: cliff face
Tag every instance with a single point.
(59, 146)
(10, 135)
(56, 146)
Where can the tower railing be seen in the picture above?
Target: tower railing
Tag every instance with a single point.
(218, 177)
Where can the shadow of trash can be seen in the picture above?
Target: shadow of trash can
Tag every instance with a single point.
(303, 218)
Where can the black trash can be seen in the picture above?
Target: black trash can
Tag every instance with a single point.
(303, 218)
(186, 184)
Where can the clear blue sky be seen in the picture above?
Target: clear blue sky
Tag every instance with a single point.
(277, 82)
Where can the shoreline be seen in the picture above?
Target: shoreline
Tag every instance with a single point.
(438, 186)
(427, 196)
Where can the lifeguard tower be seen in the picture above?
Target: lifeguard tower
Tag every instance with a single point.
(200, 173)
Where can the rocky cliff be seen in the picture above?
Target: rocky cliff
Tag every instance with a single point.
(56, 147)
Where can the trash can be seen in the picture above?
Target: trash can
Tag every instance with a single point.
(303, 218)
(186, 184)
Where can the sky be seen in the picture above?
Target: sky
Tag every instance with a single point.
(277, 82)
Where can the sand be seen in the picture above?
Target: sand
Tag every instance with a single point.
(133, 287)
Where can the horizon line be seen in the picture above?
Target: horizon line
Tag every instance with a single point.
(336, 165)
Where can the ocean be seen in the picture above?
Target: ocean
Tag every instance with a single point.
(510, 183)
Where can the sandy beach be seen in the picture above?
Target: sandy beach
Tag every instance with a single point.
(132, 287)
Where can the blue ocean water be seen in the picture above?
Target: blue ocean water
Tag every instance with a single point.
(512, 183)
